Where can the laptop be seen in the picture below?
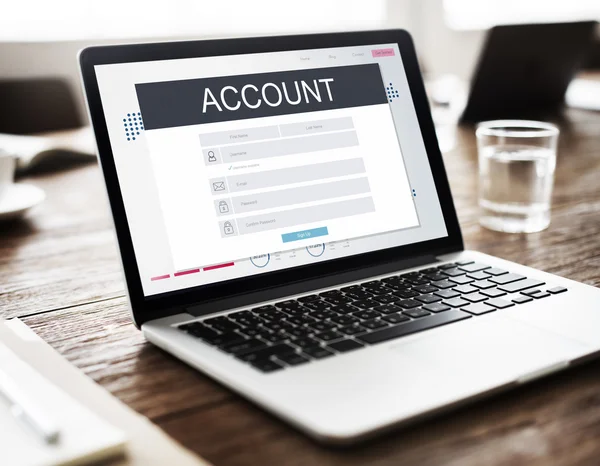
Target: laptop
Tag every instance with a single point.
(524, 70)
(286, 227)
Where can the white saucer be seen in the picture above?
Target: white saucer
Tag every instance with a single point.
(18, 198)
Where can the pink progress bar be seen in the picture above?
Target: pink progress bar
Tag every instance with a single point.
(185, 272)
(160, 277)
(219, 266)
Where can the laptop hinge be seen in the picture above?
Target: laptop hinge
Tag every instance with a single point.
(307, 286)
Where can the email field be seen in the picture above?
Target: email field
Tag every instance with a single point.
(292, 196)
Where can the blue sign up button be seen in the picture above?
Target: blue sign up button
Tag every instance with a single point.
(304, 234)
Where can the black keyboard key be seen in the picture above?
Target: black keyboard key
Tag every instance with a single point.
(447, 294)
(408, 303)
(493, 292)
(300, 320)
(456, 302)
(495, 271)
(438, 276)
(425, 289)
(226, 339)
(406, 294)
(266, 353)
(464, 289)
(309, 298)
(388, 309)
(428, 298)
(329, 336)
(317, 305)
(317, 352)
(478, 308)
(203, 333)
(359, 294)
(557, 289)
(338, 300)
(474, 267)
(365, 304)
(250, 331)
(453, 272)
(300, 332)
(331, 294)
(416, 313)
(352, 330)
(272, 326)
(398, 286)
(274, 337)
(447, 266)
(520, 285)
(345, 345)
(443, 284)
(396, 318)
(475, 297)
(265, 308)
(374, 324)
(306, 342)
(522, 299)
(322, 326)
(464, 262)
(241, 315)
(499, 303)
(506, 278)
(344, 320)
(266, 365)
(322, 315)
(344, 309)
(296, 312)
(461, 280)
(244, 346)
(408, 328)
(385, 299)
(417, 280)
(366, 315)
(483, 284)
(436, 307)
(273, 315)
(292, 359)
(481, 275)
(288, 304)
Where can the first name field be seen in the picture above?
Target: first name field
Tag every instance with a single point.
(261, 142)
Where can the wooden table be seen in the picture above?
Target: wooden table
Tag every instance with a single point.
(60, 273)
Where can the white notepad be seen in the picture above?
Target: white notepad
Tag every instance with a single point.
(84, 437)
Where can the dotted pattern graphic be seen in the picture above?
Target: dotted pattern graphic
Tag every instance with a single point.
(133, 124)
(414, 193)
(391, 92)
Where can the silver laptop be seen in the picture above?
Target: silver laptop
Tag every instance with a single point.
(286, 227)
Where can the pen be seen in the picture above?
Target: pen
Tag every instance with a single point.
(27, 412)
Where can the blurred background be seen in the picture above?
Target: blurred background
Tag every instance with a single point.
(40, 39)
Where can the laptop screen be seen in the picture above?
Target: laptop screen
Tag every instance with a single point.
(232, 166)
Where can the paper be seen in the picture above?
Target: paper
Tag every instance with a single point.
(83, 435)
(147, 445)
(583, 93)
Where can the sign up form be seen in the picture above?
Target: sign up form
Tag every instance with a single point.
(274, 161)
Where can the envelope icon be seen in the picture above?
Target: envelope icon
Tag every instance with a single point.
(219, 186)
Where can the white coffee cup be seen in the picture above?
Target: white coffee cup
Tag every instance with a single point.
(7, 172)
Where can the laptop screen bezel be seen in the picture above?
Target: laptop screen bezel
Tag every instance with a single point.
(145, 308)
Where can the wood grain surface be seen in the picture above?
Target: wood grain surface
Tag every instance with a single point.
(60, 272)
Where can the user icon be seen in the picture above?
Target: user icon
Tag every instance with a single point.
(211, 156)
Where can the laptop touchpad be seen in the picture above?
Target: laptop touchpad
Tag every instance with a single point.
(492, 347)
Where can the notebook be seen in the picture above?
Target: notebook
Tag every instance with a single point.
(84, 437)
(117, 429)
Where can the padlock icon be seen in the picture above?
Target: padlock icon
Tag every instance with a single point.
(227, 228)
(223, 207)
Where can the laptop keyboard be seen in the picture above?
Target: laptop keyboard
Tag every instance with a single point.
(296, 331)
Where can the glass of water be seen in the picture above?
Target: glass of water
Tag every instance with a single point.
(517, 160)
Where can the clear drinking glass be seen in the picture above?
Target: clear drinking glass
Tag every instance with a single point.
(517, 159)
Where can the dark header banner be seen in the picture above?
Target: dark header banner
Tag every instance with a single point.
(210, 100)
